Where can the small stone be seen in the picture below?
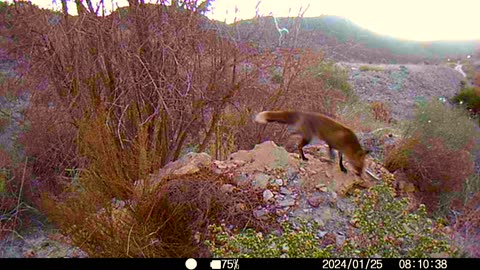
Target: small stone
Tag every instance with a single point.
(321, 234)
(220, 165)
(286, 202)
(198, 237)
(285, 191)
(279, 182)
(354, 222)
(240, 179)
(292, 174)
(267, 195)
(261, 214)
(29, 254)
(314, 201)
(447, 230)
(227, 188)
(328, 174)
(320, 185)
(323, 189)
(280, 212)
(344, 207)
(339, 239)
(319, 221)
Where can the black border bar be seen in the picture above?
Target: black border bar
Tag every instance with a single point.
(245, 264)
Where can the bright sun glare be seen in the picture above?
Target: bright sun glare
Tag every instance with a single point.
(422, 20)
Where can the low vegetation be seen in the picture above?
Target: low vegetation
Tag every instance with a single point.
(469, 97)
(425, 155)
(370, 68)
(386, 228)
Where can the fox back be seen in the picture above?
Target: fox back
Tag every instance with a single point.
(309, 125)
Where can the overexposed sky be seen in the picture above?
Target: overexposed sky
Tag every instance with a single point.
(423, 20)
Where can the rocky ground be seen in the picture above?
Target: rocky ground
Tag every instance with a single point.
(291, 188)
(40, 241)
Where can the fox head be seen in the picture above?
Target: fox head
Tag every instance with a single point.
(358, 161)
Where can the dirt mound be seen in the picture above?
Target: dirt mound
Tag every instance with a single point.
(290, 188)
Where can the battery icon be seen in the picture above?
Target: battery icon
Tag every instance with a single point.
(216, 264)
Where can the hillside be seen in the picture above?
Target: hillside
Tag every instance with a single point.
(342, 40)
(402, 87)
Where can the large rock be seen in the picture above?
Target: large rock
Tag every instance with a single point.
(264, 155)
(188, 164)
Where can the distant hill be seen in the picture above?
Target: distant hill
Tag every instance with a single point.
(343, 40)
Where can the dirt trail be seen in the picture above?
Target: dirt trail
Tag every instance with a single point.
(458, 68)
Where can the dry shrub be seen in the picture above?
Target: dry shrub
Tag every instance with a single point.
(381, 112)
(16, 192)
(158, 71)
(437, 153)
(49, 143)
(108, 213)
(467, 225)
(398, 156)
(169, 221)
(7, 199)
(4, 123)
(436, 170)
(476, 80)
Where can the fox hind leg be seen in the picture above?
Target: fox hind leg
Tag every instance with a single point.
(331, 153)
(342, 168)
(302, 143)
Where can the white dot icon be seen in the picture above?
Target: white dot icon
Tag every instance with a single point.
(191, 264)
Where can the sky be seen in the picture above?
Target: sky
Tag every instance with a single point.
(423, 20)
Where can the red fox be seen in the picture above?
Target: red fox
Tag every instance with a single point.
(310, 125)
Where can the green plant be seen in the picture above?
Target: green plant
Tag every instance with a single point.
(334, 77)
(300, 242)
(370, 68)
(359, 116)
(435, 120)
(470, 98)
(389, 229)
